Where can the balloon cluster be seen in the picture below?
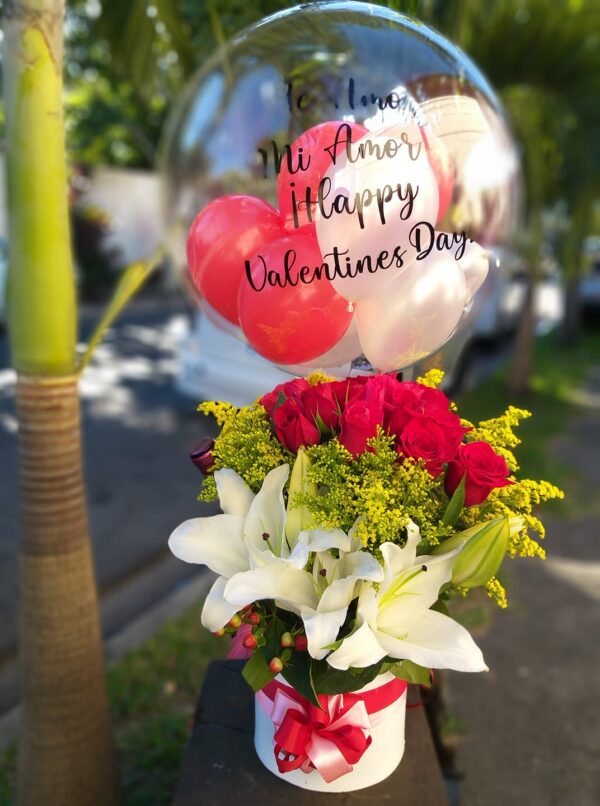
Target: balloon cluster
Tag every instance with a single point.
(354, 262)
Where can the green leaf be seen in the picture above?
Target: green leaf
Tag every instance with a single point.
(298, 674)
(411, 672)
(129, 283)
(456, 504)
(328, 680)
(256, 671)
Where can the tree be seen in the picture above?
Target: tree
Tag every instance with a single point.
(66, 754)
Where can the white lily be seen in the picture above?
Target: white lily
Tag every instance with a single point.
(395, 618)
(248, 535)
(321, 598)
(335, 581)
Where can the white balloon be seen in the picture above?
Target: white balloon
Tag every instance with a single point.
(415, 315)
(475, 265)
(336, 361)
(393, 181)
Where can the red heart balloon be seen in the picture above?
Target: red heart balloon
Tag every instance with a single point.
(288, 309)
(226, 233)
(310, 147)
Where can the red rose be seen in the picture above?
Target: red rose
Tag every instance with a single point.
(405, 400)
(359, 422)
(293, 428)
(348, 389)
(485, 471)
(321, 401)
(290, 389)
(430, 440)
(423, 400)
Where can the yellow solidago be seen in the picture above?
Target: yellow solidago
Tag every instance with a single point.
(495, 590)
(432, 377)
(315, 378)
(245, 444)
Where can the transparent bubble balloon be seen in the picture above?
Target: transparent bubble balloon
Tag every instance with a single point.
(341, 175)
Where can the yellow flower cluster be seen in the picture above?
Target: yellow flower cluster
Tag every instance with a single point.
(315, 378)
(245, 444)
(495, 590)
(433, 378)
(376, 489)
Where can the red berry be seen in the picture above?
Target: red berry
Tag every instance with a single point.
(218, 633)
(235, 622)
(250, 642)
(301, 643)
(275, 665)
(253, 618)
(286, 639)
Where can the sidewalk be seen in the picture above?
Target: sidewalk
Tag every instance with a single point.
(527, 733)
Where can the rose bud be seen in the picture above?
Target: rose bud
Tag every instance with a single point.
(202, 455)
(250, 642)
(275, 665)
(286, 640)
(301, 643)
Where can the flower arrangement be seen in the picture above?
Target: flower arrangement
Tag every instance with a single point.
(353, 512)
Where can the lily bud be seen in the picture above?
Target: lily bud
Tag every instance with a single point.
(482, 554)
(298, 517)
(202, 455)
(459, 539)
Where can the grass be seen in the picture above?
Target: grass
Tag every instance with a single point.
(552, 400)
(152, 694)
(154, 688)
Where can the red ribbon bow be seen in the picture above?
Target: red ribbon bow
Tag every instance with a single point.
(330, 739)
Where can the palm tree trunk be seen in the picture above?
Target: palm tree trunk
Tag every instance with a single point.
(66, 753)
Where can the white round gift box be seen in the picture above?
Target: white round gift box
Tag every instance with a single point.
(379, 760)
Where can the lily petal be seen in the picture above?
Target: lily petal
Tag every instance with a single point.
(413, 592)
(324, 539)
(266, 515)
(217, 611)
(235, 496)
(438, 642)
(363, 565)
(321, 629)
(278, 580)
(216, 541)
(358, 650)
